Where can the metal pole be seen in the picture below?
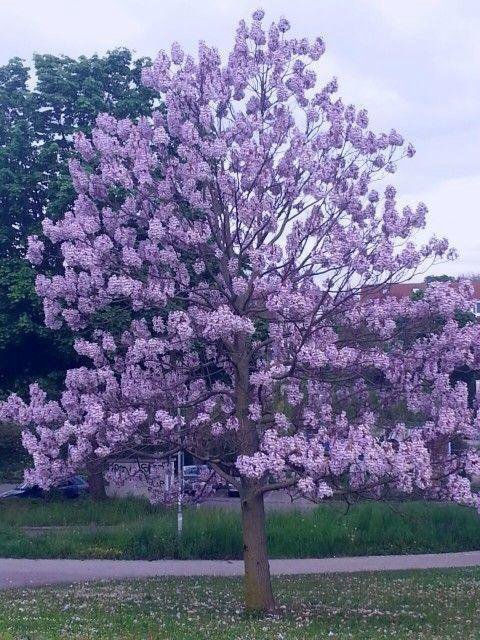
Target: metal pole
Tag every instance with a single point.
(171, 475)
(180, 489)
(180, 493)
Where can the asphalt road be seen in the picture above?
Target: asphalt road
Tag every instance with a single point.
(25, 573)
(277, 501)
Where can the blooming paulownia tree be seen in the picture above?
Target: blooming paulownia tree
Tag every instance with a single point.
(243, 231)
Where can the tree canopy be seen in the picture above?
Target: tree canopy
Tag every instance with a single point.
(251, 344)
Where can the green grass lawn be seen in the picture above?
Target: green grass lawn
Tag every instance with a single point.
(443, 605)
(136, 529)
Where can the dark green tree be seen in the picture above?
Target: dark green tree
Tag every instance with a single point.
(37, 124)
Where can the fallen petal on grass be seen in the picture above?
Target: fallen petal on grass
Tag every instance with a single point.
(420, 605)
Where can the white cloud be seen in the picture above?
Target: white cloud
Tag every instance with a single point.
(67, 27)
(448, 29)
(454, 213)
(409, 17)
(414, 64)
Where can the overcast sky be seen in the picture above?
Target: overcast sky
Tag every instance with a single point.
(414, 64)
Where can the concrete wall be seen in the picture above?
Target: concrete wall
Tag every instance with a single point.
(130, 477)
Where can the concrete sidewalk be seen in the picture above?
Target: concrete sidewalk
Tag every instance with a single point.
(23, 573)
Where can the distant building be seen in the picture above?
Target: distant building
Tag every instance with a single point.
(407, 289)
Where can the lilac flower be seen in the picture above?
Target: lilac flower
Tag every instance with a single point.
(35, 250)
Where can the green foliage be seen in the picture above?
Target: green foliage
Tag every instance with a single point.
(135, 529)
(36, 130)
(13, 457)
(465, 317)
(28, 350)
(442, 278)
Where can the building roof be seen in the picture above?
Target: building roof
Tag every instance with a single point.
(405, 289)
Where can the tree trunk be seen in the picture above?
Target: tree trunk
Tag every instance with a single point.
(96, 481)
(258, 587)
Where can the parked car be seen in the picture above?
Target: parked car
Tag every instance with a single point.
(192, 474)
(233, 491)
(23, 491)
(73, 487)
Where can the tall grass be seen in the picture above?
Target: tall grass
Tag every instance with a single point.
(138, 530)
(43, 513)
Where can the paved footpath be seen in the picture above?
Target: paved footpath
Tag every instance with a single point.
(23, 573)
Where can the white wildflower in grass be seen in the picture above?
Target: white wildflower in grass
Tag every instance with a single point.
(404, 606)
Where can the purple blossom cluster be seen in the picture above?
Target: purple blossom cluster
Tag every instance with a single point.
(250, 225)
